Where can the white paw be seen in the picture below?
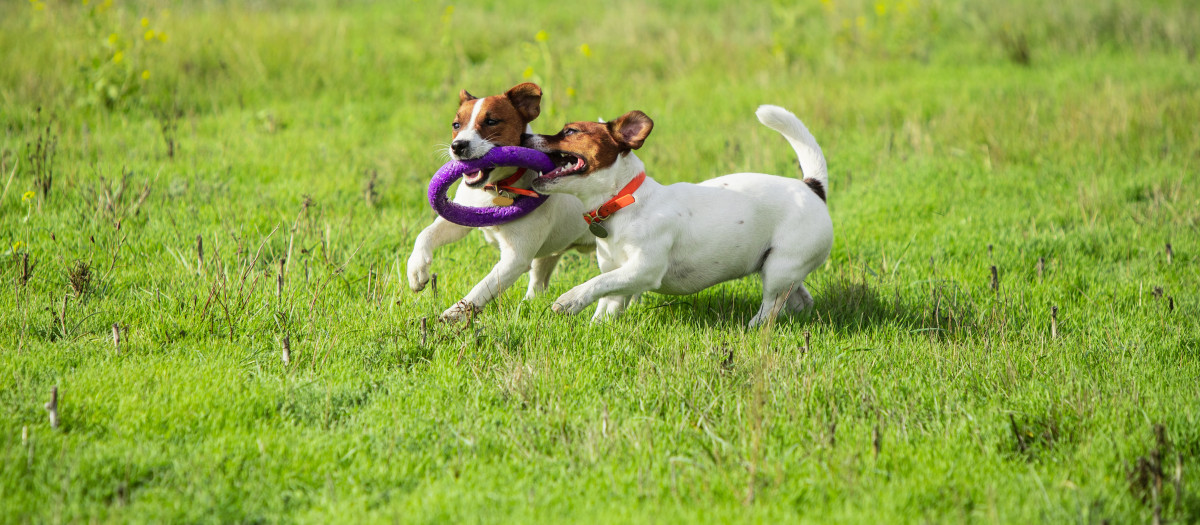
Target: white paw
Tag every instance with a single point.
(608, 308)
(418, 272)
(459, 312)
(570, 303)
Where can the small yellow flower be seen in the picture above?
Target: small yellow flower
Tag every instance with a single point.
(586, 50)
(16, 247)
(150, 35)
(38, 6)
(860, 21)
(145, 21)
(541, 36)
(570, 92)
(880, 8)
(162, 36)
(118, 57)
(114, 38)
(528, 72)
(146, 74)
(85, 2)
(29, 195)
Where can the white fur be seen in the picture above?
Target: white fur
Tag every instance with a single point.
(532, 243)
(683, 238)
(478, 146)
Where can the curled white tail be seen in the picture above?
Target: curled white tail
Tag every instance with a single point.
(812, 161)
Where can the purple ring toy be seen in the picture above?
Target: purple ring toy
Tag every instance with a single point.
(491, 215)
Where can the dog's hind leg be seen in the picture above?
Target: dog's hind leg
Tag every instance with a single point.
(539, 274)
(771, 305)
(799, 299)
(783, 287)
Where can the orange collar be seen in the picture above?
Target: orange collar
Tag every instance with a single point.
(622, 199)
(506, 185)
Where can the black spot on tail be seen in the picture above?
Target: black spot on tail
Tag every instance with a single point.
(817, 187)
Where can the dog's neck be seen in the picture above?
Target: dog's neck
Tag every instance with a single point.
(606, 183)
(526, 181)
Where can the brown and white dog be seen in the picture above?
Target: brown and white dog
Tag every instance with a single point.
(532, 243)
(683, 238)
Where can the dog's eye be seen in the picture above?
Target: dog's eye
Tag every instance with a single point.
(456, 125)
(490, 122)
(570, 131)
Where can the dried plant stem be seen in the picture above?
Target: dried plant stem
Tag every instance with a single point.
(52, 407)
(279, 281)
(62, 315)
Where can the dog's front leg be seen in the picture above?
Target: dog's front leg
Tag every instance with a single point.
(640, 272)
(440, 233)
(514, 261)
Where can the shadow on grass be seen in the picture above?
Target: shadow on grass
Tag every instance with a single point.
(842, 303)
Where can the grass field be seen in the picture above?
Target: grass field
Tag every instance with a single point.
(215, 182)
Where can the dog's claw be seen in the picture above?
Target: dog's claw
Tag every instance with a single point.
(568, 304)
(460, 311)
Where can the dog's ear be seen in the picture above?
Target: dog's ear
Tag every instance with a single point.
(527, 98)
(631, 129)
(463, 96)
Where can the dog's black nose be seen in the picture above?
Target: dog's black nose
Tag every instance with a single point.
(459, 147)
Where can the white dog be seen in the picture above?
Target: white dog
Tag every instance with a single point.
(533, 243)
(683, 238)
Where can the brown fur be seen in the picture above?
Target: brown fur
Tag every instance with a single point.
(599, 144)
(511, 112)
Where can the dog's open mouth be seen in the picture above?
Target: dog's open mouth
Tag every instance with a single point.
(565, 164)
(477, 178)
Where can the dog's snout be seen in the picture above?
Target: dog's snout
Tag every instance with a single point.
(532, 141)
(459, 147)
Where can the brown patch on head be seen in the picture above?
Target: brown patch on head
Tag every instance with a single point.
(526, 98)
(631, 129)
(598, 145)
(501, 119)
(589, 141)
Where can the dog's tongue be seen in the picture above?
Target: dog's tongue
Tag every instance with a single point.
(473, 177)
